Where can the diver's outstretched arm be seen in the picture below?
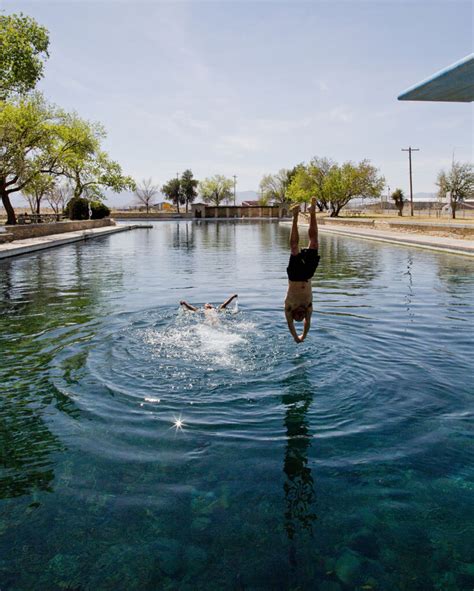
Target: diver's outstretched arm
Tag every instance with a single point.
(227, 302)
(188, 306)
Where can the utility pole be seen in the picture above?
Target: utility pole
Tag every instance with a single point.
(410, 150)
(235, 183)
(388, 195)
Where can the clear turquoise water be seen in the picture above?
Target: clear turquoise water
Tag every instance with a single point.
(342, 463)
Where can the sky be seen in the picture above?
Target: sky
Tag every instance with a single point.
(248, 88)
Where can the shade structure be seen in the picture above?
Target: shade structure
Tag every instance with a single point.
(454, 84)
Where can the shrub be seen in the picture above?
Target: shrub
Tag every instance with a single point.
(77, 209)
(99, 210)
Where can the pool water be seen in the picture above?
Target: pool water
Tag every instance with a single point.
(145, 448)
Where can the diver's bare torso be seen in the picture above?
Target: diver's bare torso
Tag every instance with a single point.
(299, 294)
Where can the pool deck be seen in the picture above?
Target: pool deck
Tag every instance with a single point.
(458, 246)
(29, 245)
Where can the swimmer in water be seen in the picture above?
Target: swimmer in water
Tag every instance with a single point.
(208, 307)
(300, 270)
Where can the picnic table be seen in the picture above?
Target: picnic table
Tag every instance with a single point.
(39, 218)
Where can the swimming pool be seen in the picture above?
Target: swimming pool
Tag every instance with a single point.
(345, 462)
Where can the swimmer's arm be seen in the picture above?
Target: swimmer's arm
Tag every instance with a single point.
(227, 302)
(188, 306)
(291, 325)
(307, 324)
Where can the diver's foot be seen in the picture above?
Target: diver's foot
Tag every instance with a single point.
(295, 210)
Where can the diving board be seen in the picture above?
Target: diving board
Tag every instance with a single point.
(454, 84)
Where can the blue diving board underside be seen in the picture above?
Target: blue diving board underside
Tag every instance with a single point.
(454, 85)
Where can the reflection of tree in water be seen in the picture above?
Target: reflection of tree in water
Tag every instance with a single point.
(344, 258)
(299, 485)
(40, 294)
(183, 236)
(219, 235)
(456, 273)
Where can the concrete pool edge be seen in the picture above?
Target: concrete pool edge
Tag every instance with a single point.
(446, 245)
(31, 245)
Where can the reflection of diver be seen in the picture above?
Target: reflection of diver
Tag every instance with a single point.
(299, 485)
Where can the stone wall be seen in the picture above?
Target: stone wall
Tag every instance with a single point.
(137, 215)
(203, 211)
(454, 230)
(20, 232)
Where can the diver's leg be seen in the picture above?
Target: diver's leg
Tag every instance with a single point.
(313, 225)
(295, 237)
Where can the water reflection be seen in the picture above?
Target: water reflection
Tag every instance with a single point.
(409, 295)
(299, 483)
(47, 300)
(183, 236)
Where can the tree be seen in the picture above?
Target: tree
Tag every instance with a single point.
(458, 182)
(23, 49)
(188, 187)
(32, 142)
(310, 181)
(216, 190)
(172, 190)
(318, 170)
(36, 190)
(145, 192)
(58, 196)
(38, 138)
(274, 187)
(90, 169)
(399, 199)
(348, 181)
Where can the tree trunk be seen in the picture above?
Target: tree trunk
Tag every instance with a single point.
(11, 217)
(147, 208)
(187, 202)
(177, 205)
(400, 212)
(453, 208)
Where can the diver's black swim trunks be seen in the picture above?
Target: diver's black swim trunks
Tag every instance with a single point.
(303, 265)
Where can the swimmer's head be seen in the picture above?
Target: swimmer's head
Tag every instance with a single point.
(299, 313)
(208, 307)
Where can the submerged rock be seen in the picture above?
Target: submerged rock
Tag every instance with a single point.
(329, 586)
(349, 568)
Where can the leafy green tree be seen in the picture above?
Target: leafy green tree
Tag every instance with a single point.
(188, 187)
(23, 49)
(30, 145)
(145, 193)
(36, 190)
(274, 187)
(458, 182)
(172, 191)
(216, 190)
(301, 187)
(399, 199)
(37, 138)
(89, 168)
(348, 181)
(310, 181)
